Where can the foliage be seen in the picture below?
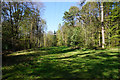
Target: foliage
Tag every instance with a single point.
(113, 27)
(82, 27)
(22, 25)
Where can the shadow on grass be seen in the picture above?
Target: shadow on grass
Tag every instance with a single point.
(103, 54)
(75, 55)
(85, 67)
(36, 71)
(16, 59)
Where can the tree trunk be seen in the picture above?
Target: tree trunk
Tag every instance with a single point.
(99, 40)
(85, 37)
(31, 36)
(11, 25)
(99, 31)
(103, 39)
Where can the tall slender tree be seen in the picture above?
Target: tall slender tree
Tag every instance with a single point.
(102, 21)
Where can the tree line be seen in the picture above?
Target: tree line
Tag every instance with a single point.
(82, 26)
(22, 25)
(24, 28)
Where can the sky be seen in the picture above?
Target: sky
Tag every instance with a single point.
(53, 13)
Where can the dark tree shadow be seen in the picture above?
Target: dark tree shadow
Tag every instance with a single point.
(16, 59)
(86, 67)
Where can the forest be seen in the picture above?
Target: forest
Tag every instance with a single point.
(81, 27)
(85, 45)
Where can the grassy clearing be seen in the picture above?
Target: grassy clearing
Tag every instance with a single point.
(61, 62)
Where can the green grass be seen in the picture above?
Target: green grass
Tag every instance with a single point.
(61, 62)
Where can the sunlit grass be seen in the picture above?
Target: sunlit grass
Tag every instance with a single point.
(61, 62)
(25, 53)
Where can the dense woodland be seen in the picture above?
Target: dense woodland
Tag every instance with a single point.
(22, 25)
(82, 27)
(24, 28)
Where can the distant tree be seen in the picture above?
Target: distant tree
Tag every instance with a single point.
(71, 16)
(55, 39)
(49, 39)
